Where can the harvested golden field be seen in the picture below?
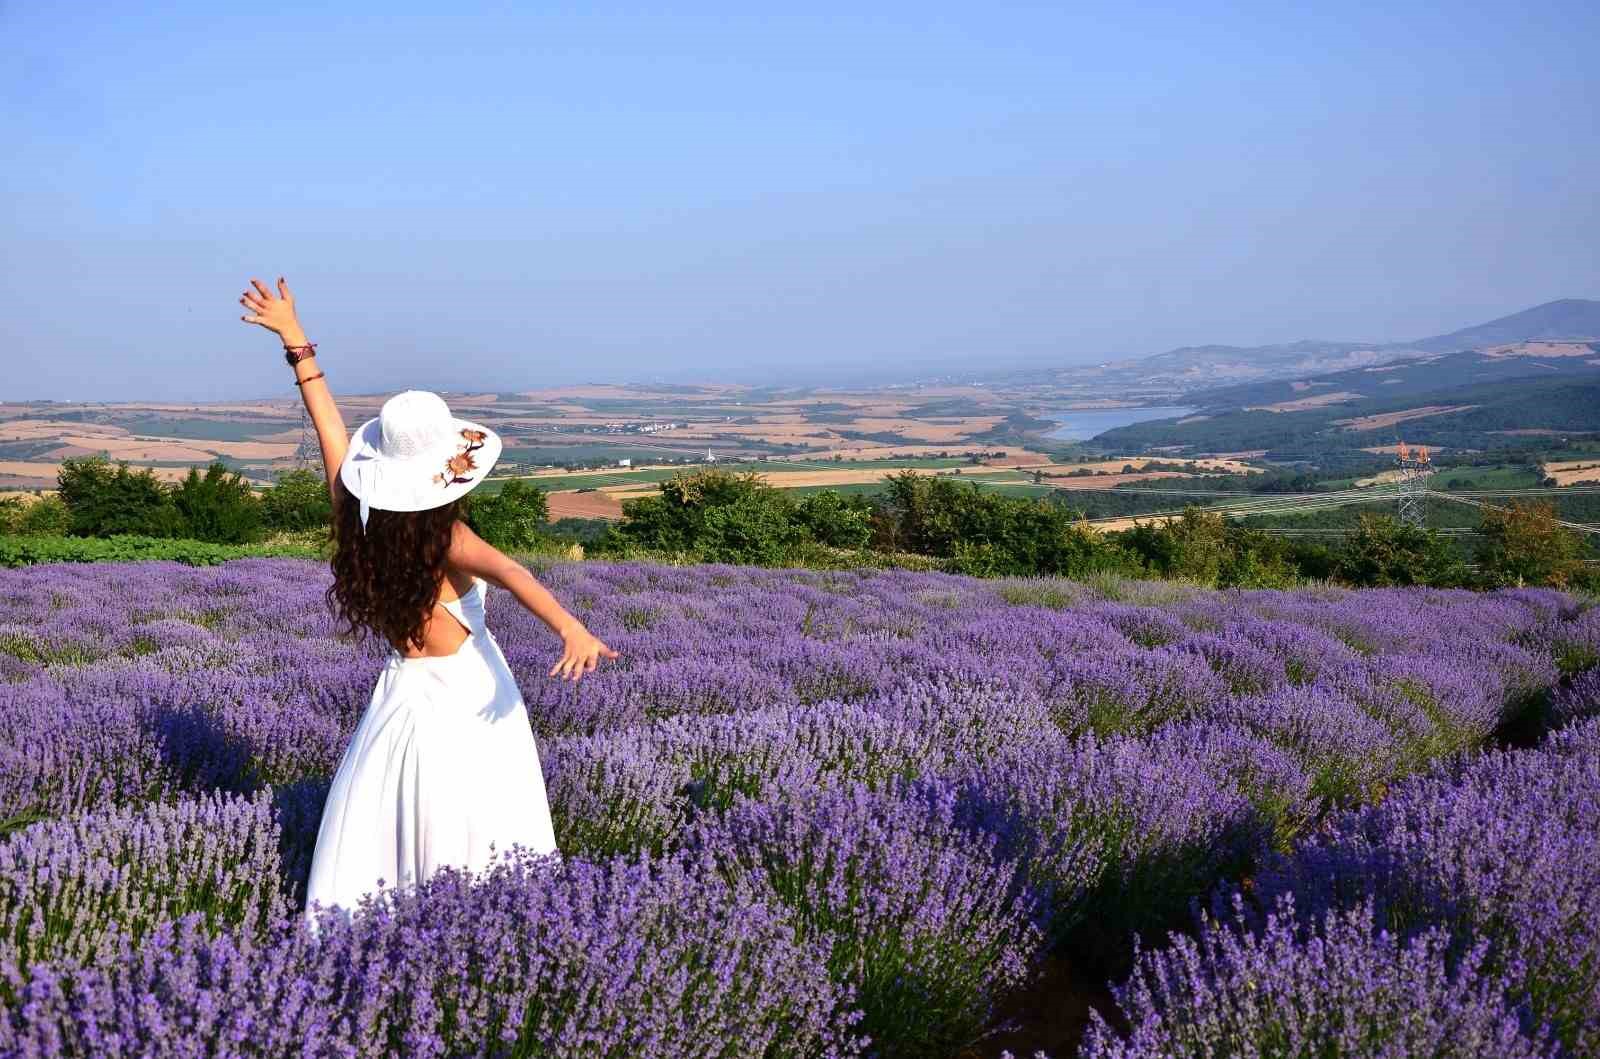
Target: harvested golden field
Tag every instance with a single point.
(1196, 465)
(1571, 472)
(1541, 349)
(1389, 419)
(50, 429)
(1109, 480)
(585, 505)
(42, 473)
(1301, 404)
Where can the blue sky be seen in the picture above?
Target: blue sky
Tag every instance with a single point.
(500, 196)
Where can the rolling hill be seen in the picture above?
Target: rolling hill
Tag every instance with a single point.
(1566, 319)
(1190, 368)
(1530, 394)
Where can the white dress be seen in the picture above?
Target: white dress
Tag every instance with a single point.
(442, 770)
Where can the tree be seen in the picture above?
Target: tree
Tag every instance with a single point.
(513, 519)
(838, 520)
(103, 499)
(297, 501)
(750, 530)
(988, 533)
(675, 520)
(1192, 546)
(1523, 544)
(218, 506)
(45, 517)
(1384, 551)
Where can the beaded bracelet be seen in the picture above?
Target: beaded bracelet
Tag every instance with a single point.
(309, 378)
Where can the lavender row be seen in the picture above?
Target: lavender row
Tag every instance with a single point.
(1465, 900)
(643, 959)
(71, 889)
(1338, 986)
(1053, 757)
(133, 682)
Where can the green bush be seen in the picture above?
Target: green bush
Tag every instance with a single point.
(105, 500)
(989, 534)
(753, 529)
(513, 519)
(26, 551)
(1525, 545)
(676, 519)
(835, 519)
(11, 509)
(298, 500)
(46, 517)
(218, 506)
(1384, 551)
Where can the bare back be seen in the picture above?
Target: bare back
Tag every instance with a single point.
(444, 634)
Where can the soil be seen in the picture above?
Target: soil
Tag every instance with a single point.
(1050, 1015)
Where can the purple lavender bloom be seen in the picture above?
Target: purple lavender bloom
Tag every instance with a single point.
(654, 959)
(69, 888)
(1122, 836)
(1578, 699)
(1570, 638)
(1101, 755)
(1502, 849)
(923, 920)
(1339, 987)
(1347, 751)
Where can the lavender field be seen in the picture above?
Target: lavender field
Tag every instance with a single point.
(823, 814)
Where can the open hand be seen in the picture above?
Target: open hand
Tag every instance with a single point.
(581, 653)
(275, 314)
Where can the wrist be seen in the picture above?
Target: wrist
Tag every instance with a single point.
(293, 337)
(570, 629)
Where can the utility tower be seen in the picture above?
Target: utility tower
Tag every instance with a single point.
(308, 452)
(1415, 467)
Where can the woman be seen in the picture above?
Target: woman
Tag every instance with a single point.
(442, 770)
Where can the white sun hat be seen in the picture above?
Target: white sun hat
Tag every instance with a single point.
(415, 455)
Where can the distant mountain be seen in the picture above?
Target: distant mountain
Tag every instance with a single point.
(1189, 367)
(1516, 393)
(1208, 365)
(1577, 319)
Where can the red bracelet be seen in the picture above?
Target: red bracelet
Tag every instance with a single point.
(308, 378)
(295, 354)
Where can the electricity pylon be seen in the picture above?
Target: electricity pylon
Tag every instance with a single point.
(1415, 467)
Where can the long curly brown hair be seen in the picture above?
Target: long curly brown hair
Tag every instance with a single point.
(386, 578)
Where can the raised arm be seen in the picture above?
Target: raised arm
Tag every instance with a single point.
(278, 316)
(581, 650)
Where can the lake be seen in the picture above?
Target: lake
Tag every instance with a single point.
(1082, 424)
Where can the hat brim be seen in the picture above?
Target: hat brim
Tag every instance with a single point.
(410, 485)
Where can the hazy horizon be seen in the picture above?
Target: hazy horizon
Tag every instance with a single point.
(498, 199)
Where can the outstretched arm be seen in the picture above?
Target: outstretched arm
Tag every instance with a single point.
(581, 649)
(278, 316)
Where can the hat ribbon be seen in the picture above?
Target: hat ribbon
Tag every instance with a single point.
(368, 472)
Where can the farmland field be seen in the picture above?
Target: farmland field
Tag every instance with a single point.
(824, 813)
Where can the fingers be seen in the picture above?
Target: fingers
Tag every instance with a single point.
(283, 290)
(250, 301)
(572, 665)
(253, 320)
(266, 295)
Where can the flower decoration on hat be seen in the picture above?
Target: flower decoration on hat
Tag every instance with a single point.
(457, 466)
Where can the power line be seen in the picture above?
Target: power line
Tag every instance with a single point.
(1579, 526)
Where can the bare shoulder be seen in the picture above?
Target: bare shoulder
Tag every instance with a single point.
(473, 555)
